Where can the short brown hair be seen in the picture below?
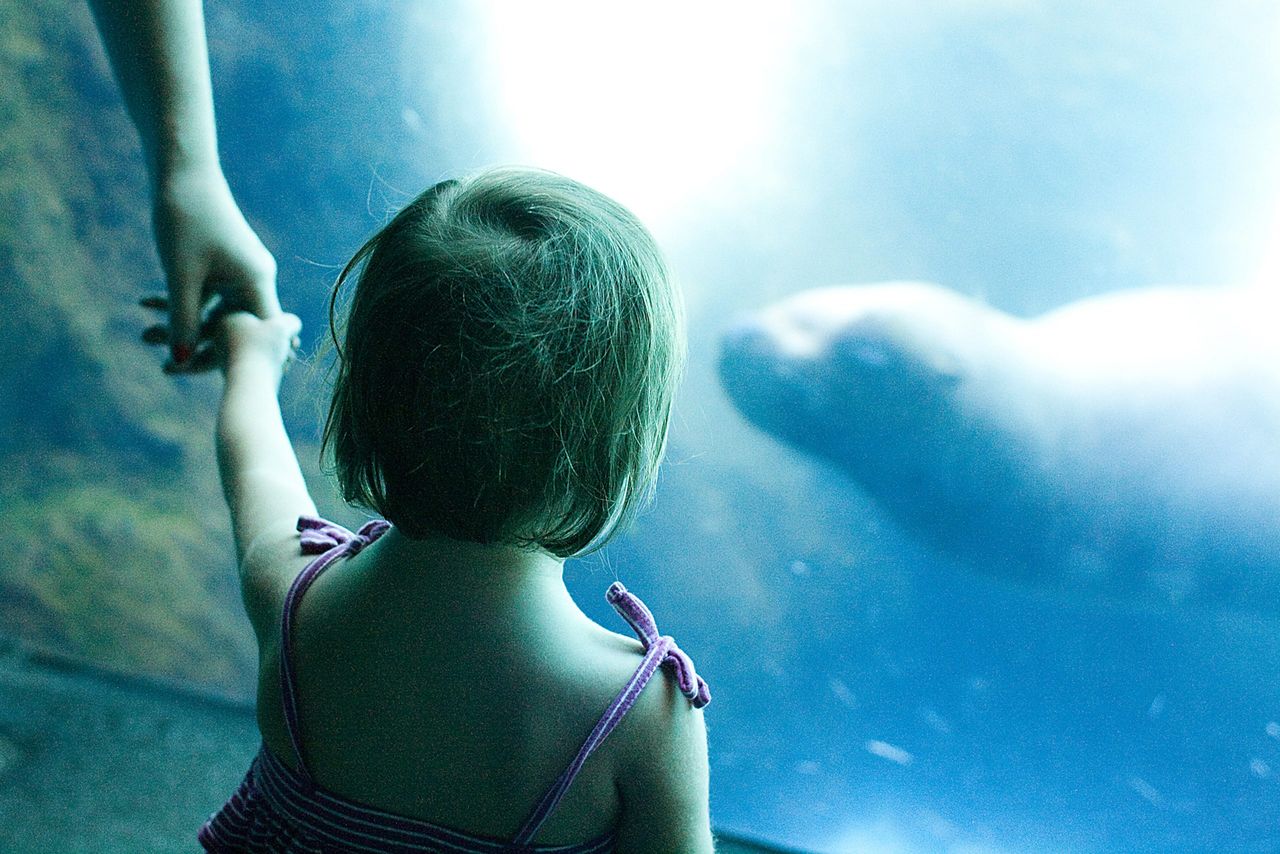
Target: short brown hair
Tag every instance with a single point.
(511, 353)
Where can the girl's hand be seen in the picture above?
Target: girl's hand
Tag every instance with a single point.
(229, 338)
(246, 339)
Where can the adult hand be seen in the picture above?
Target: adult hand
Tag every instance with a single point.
(232, 337)
(208, 251)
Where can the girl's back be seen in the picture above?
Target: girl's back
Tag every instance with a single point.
(483, 678)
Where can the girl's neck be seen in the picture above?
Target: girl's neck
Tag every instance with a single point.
(440, 564)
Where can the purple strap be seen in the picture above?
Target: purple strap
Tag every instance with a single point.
(659, 650)
(330, 542)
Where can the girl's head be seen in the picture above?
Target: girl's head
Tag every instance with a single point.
(510, 356)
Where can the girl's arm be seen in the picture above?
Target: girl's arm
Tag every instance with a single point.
(665, 801)
(261, 480)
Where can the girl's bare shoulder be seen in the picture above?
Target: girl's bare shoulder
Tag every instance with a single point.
(660, 760)
(661, 718)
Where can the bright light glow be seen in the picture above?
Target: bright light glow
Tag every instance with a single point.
(653, 103)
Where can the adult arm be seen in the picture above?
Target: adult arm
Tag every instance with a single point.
(158, 52)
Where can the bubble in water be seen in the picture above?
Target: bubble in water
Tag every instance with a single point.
(412, 119)
(842, 692)
(1148, 792)
(888, 751)
(935, 721)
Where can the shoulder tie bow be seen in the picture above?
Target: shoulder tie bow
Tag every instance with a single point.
(320, 535)
(641, 619)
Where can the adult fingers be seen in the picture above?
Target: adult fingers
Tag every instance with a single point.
(211, 317)
(263, 282)
(186, 296)
(248, 277)
(265, 300)
(201, 360)
(157, 334)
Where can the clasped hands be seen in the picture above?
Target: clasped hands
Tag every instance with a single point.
(222, 304)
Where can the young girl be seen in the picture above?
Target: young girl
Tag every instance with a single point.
(427, 684)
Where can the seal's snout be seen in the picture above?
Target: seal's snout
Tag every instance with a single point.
(744, 333)
(748, 364)
(745, 348)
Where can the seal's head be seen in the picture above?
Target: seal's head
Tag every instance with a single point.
(860, 374)
(926, 398)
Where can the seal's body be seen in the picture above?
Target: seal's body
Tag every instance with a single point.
(1126, 443)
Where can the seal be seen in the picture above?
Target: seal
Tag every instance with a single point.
(1127, 444)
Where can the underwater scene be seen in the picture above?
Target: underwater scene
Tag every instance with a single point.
(970, 513)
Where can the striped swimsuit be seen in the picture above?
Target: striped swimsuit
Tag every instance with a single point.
(282, 811)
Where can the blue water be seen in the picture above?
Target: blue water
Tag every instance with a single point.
(869, 696)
